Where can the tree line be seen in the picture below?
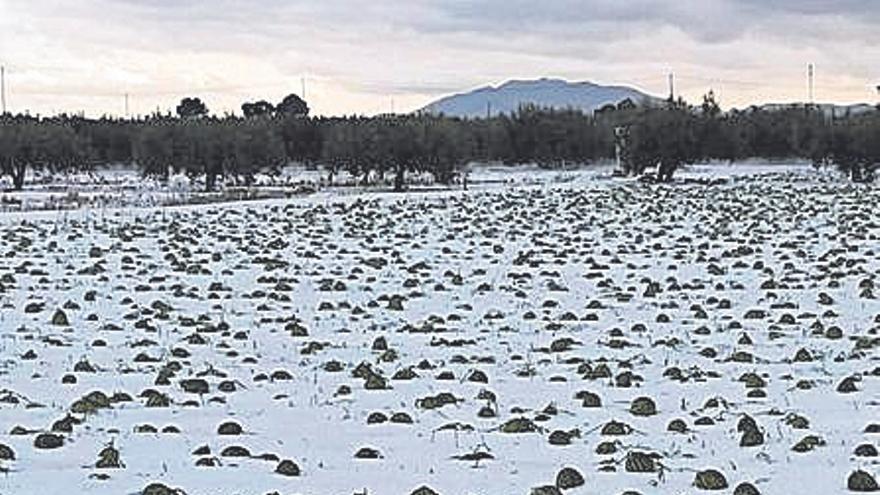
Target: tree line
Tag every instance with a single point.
(266, 137)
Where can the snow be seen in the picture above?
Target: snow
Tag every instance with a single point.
(179, 183)
(547, 242)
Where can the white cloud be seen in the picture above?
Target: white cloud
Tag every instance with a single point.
(357, 56)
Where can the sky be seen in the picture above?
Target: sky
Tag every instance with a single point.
(375, 56)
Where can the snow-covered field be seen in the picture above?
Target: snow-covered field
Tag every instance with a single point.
(471, 342)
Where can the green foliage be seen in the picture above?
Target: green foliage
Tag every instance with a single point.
(549, 137)
(257, 146)
(663, 137)
(33, 143)
(191, 108)
(293, 106)
(153, 147)
(257, 109)
(210, 147)
(853, 144)
(399, 144)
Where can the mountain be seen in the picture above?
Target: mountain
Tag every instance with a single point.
(553, 93)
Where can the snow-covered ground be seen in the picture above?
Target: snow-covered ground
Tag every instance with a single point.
(520, 299)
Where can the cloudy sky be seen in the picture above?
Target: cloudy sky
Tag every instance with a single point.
(365, 56)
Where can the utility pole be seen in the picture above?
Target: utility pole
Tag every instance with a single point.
(810, 81)
(671, 87)
(2, 90)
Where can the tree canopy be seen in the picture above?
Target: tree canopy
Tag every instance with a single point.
(661, 138)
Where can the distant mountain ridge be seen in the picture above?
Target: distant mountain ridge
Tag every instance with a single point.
(544, 93)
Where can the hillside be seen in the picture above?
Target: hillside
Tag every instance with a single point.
(548, 93)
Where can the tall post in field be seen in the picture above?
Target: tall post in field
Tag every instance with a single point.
(2, 89)
(810, 82)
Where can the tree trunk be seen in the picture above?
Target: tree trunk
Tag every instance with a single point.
(399, 177)
(18, 172)
(664, 172)
(856, 173)
(210, 181)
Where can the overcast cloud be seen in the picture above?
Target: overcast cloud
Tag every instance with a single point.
(362, 57)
